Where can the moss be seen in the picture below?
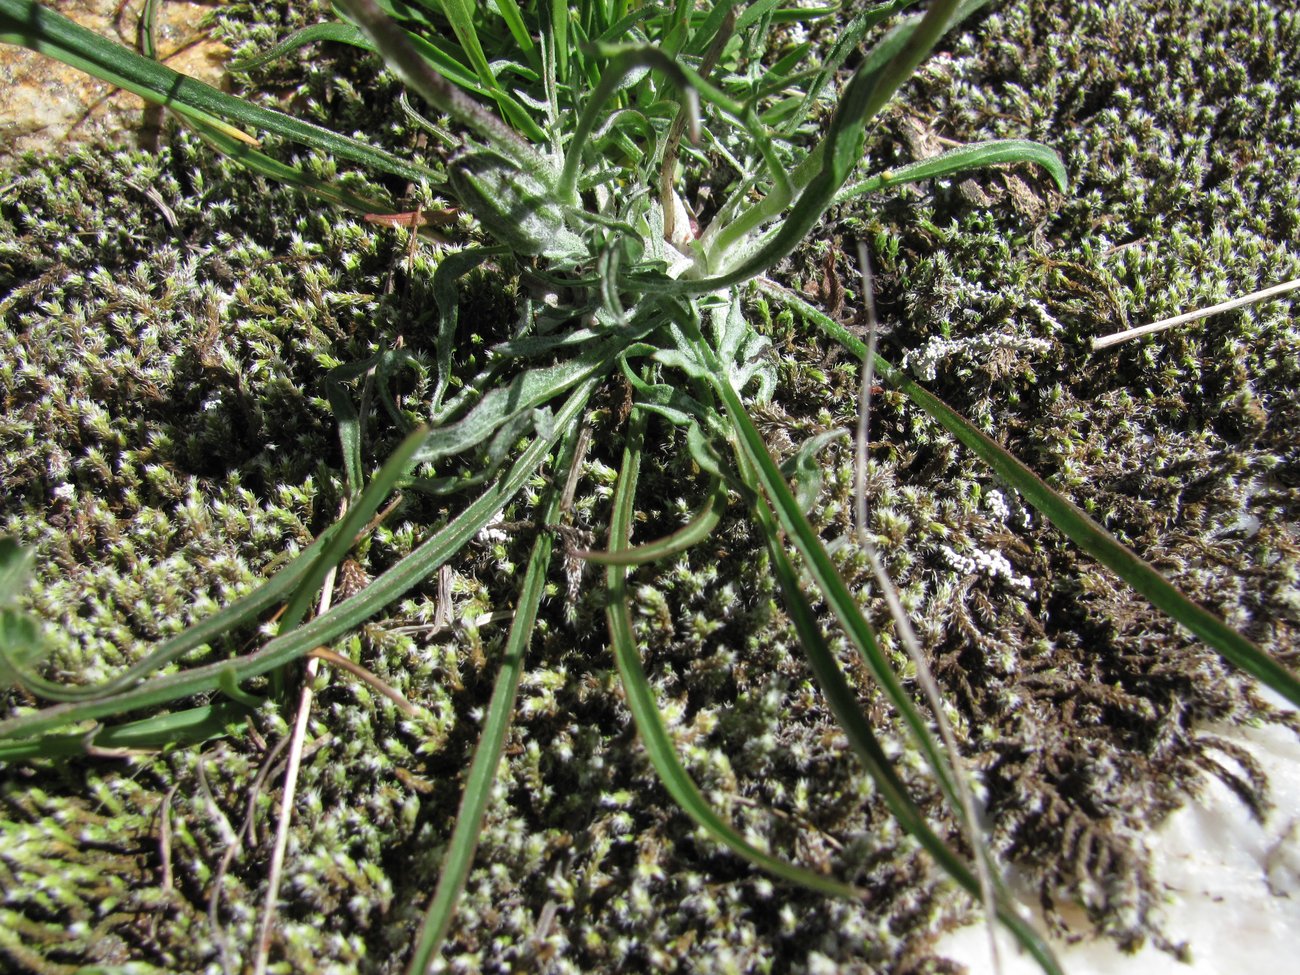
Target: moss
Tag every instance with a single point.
(164, 440)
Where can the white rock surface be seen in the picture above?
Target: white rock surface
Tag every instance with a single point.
(1233, 884)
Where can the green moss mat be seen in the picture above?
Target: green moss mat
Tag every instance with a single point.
(164, 441)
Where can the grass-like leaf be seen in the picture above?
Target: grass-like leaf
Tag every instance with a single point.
(978, 155)
(685, 538)
(402, 57)
(27, 23)
(242, 612)
(164, 731)
(862, 738)
(15, 568)
(324, 629)
(1068, 517)
(645, 710)
(316, 33)
(496, 725)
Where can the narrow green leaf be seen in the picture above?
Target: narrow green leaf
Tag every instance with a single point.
(403, 58)
(22, 646)
(671, 402)
(823, 172)
(446, 296)
(709, 27)
(560, 42)
(27, 23)
(645, 710)
(804, 469)
(336, 32)
(683, 362)
(862, 737)
(867, 92)
(349, 421)
(514, 19)
(359, 513)
(687, 537)
(477, 795)
(702, 451)
(243, 611)
(146, 30)
(150, 734)
(802, 15)
(975, 156)
(460, 14)
(1069, 518)
(622, 63)
(753, 12)
(439, 55)
(228, 684)
(753, 454)
(322, 630)
(260, 162)
(519, 397)
(617, 32)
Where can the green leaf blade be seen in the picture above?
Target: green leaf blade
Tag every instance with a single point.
(1069, 518)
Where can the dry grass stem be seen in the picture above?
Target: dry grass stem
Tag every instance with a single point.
(906, 633)
(1106, 341)
(368, 676)
(287, 795)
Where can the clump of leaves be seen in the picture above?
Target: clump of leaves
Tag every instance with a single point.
(579, 139)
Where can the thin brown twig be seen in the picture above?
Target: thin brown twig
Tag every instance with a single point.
(907, 634)
(379, 519)
(270, 756)
(167, 882)
(791, 817)
(368, 676)
(442, 602)
(233, 846)
(165, 840)
(246, 834)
